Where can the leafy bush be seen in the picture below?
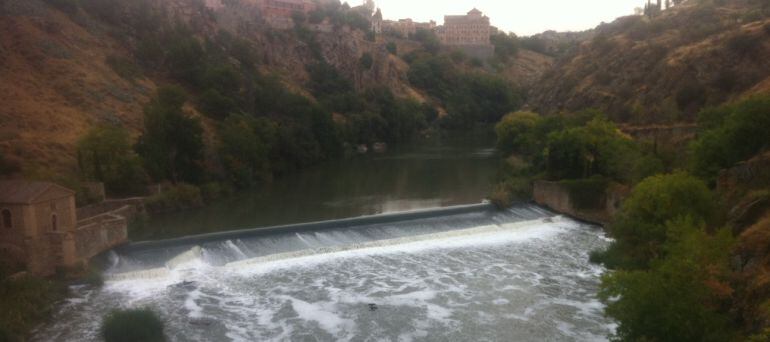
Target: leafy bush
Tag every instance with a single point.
(245, 149)
(690, 94)
(171, 145)
(641, 227)
(680, 297)
(587, 194)
(366, 61)
(506, 46)
(124, 67)
(105, 154)
(27, 302)
(732, 133)
(392, 48)
(133, 325)
(178, 197)
(515, 133)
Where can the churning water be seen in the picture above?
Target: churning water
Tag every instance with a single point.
(517, 275)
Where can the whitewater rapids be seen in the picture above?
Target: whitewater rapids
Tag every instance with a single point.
(519, 275)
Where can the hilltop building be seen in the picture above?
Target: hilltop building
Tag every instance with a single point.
(40, 230)
(469, 33)
(278, 13)
(470, 29)
(406, 27)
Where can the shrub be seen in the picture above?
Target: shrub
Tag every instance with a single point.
(392, 48)
(124, 67)
(133, 325)
(640, 229)
(178, 197)
(587, 194)
(511, 190)
(691, 93)
(366, 61)
(26, 302)
(515, 133)
(105, 154)
(680, 297)
(732, 133)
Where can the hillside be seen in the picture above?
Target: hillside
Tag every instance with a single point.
(661, 69)
(67, 68)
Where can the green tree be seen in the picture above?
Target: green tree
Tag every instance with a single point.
(171, 145)
(732, 133)
(245, 149)
(105, 154)
(679, 298)
(133, 325)
(515, 134)
(640, 230)
(506, 46)
(598, 148)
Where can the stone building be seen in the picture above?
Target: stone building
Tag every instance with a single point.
(468, 33)
(470, 29)
(278, 13)
(406, 27)
(39, 228)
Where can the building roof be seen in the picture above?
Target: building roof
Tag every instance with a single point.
(475, 11)
(28, 192)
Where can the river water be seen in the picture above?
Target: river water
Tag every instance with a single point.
(439, 171)
(516, 275)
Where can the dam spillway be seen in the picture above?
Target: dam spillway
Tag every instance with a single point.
(516, 275)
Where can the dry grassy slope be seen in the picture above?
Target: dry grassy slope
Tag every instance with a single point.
(635, 67)
(55, 85)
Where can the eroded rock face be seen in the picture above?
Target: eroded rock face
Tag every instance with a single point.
(664, 69)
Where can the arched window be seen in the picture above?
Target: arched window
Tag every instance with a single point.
(7, 221)
(54, 223)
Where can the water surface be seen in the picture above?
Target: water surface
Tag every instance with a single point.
(517, 275)
(440, 171)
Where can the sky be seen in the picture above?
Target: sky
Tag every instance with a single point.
(518, 16)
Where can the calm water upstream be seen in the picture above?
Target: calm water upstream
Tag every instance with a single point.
(429, 173)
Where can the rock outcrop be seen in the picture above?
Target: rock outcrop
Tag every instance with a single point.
(663, 69)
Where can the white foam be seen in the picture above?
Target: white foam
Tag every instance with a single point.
(484, 235)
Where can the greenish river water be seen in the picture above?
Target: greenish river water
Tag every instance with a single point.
(440, 171)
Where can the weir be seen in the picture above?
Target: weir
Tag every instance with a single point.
(147, 260)
(304, 227)
(520, 274)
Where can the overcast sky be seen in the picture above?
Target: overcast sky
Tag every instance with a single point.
(518, 16)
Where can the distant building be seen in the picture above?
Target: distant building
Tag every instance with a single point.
(39, 227)
(377, 22)
(278, 13)
(406, 27)
(470, 29)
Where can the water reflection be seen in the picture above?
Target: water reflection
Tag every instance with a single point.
(441, 171)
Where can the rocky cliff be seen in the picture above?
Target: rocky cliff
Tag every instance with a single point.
(650, 70)
(64, 68)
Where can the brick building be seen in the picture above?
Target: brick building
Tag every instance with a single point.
(406, 27)
(39, 228)
(471, 29)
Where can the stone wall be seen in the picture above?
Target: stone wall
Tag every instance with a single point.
(556, 197)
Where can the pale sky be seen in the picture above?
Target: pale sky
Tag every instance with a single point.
(519, 16)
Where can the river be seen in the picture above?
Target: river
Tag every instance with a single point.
(516, 275)
(520, 274)
(440, 171)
